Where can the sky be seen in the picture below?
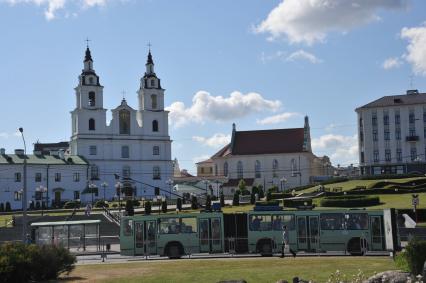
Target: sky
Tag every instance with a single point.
(256, 63)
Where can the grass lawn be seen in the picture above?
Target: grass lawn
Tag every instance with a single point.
(251, 269)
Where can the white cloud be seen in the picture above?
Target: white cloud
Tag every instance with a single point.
(341, 149)
(309, 21)
(215, 141)
(392, 63)
(197, 159)
(4, 135)
(276, 119)
(303, 55)
(51, 7)
(416, 49)
(218, 108)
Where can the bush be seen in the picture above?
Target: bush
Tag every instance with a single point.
(268, 203)
(416, 255)
(280, 195)
(334, 181)
(208, 203)
(273, 189)
(114, 205)
(1, 207)
(252, 198)
(8, 208)
(242, 185)
(71, 204)
(136, 202)
(255, 189)
(245, 192)
(147, 207)
(129, 208)
(401, 261)
(179, 204)
(164, 206)
(268, 195)
(101, 203)
(297, 202)
(261, 192)
(350, 201)
(194, 203)
(222, 200)
(236, 199)
(23, 263)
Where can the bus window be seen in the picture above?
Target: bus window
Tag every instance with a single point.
(169, 225)
(188, 225)
(332, 221)
(278, 221)
(150, 233)
(260, 223)
(216, 231)
(127, 227)
(356, 221)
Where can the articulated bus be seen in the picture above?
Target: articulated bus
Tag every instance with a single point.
(175, 235)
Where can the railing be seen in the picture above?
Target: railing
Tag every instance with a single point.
(411, 138)
(115, 217)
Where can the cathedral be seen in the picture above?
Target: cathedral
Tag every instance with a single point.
(134, 146)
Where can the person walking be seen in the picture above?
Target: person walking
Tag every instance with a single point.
(285, 242)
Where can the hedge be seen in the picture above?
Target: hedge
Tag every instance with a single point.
(101, 203)
(334, 181)
(415, 254)
(350, 201)
(297, 202)
(268, 203)
(280, 195)
(381, 177)
(71, 204)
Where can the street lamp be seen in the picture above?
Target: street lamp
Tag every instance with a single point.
(283, 181)
(104, 185)
(42, 190)
(24, 190)
(92, 188)
(170, 183)
(118, 188)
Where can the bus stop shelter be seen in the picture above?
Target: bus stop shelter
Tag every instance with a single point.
(78, 235)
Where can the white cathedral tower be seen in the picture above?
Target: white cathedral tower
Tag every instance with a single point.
(135, 145)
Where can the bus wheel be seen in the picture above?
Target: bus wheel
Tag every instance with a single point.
(265, 247)
(354, 246)
(174, 251)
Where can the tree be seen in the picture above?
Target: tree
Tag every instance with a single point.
(147, 208)
(252, 198)
(194, 203)
(164, 206)
(179, 204)
(242, 185)
(129, 208)
(261, 192)
(208, 203)
(268, 195)
(236, 199)
(255, 189)
(222, 200)
(8, 208)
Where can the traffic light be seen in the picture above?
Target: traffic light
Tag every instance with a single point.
(157, 191)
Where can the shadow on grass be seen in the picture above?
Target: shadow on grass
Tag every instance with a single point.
(70, 279)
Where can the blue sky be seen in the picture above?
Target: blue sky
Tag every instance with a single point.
(261, 64)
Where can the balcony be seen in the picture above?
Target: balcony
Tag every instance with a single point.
(412, 138)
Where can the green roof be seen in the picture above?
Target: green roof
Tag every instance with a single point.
(42, 159)
(61, 223)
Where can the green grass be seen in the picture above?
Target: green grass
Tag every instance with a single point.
(251, 269)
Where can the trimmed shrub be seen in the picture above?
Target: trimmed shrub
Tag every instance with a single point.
(1, 207)
(164, 206)
(71, 204)
(415, 255)
(334, 180)
(242, 185)
(194, 203)
(297, 202)
(129, 208)
(114, 205)
(147, 207)
(401, 261)
(268, 203)
(261, 192)
(255, 189)
(273, 189)
(8, 208)
(179, 204)
(252, 198)
(101, 203)
(399, 176)
(136, 202)
(31, 205)
(350, 201)
(236, 199)
(268, 195)
(208, 203)
(280, 195)
(222, 200)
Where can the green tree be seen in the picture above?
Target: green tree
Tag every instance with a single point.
(147, 207)
(222, 200)
(129, 208)
(194, 203)
(253, 198)
(242, 185)
(164, 206)
(261, 192)
(179, 204)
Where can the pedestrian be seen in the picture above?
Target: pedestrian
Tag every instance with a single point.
(285, 242)
(28, 239)
(88, 209)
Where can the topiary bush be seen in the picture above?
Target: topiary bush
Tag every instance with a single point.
(136, 202)
(208, 203)
(222, 200)
(8, 208)
(350, 201)
(164, 206)
(129, 208)
(100, 204)
(236, 199)
(179, 204)
(415, 254)
(1, 207)
(194, 203)
(71, 204)
(252, 198)
(147, 207)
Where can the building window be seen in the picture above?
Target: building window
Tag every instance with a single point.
(412, 131)
(92, 99)
(202, 170)
(152, 82)
(413, 153)
(76, 195)
(153, 101)
(156, 150)
(125, 152)
(274, 168)
(155, 126)
(92, 150)
(156, 175)
(240, 170)
(398, 154)
(376, 156)
(386, 120)
(76, 177)
(18, 177)
(126, 172)
(215, 170)
(38, 177)
(225, 169)
(388, 155)
(375, 138)
(397, 119)
(411, 118)
(124, 117)
(387, 135)
(257, 169)
(398, 134)
(17, 196)
(94, 172)
(374, 120)
(91, 124)
(57, 177)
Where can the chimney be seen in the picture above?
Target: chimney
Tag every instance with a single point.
(19, 151)
(2, 151)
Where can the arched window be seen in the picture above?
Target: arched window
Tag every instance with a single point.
(275, 168)
(155, 126)
(126, 171)
(94, 172)
(225, 169)
(156, 150)
(153, 82)
(240, 170)
(92, 98)
(293, 167)
(91, 124)
(156, 175)
(154, 101)
(124, 117)
(125, 152)
(257, 169)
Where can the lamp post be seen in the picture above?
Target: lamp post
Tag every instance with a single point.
(104, 185)
(283, 181)
(118, 188)
(24, 190)
(92, 188)
(41, 190)
(170, 183)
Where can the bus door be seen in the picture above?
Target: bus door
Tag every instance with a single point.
(377, 235)
(313, 233)
(210, 235)
(150, 236)
(139, 242)
(302, 233)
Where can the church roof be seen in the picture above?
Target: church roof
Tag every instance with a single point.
(42, 159)
(412, 97)
(264, 142)
(88, 55)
